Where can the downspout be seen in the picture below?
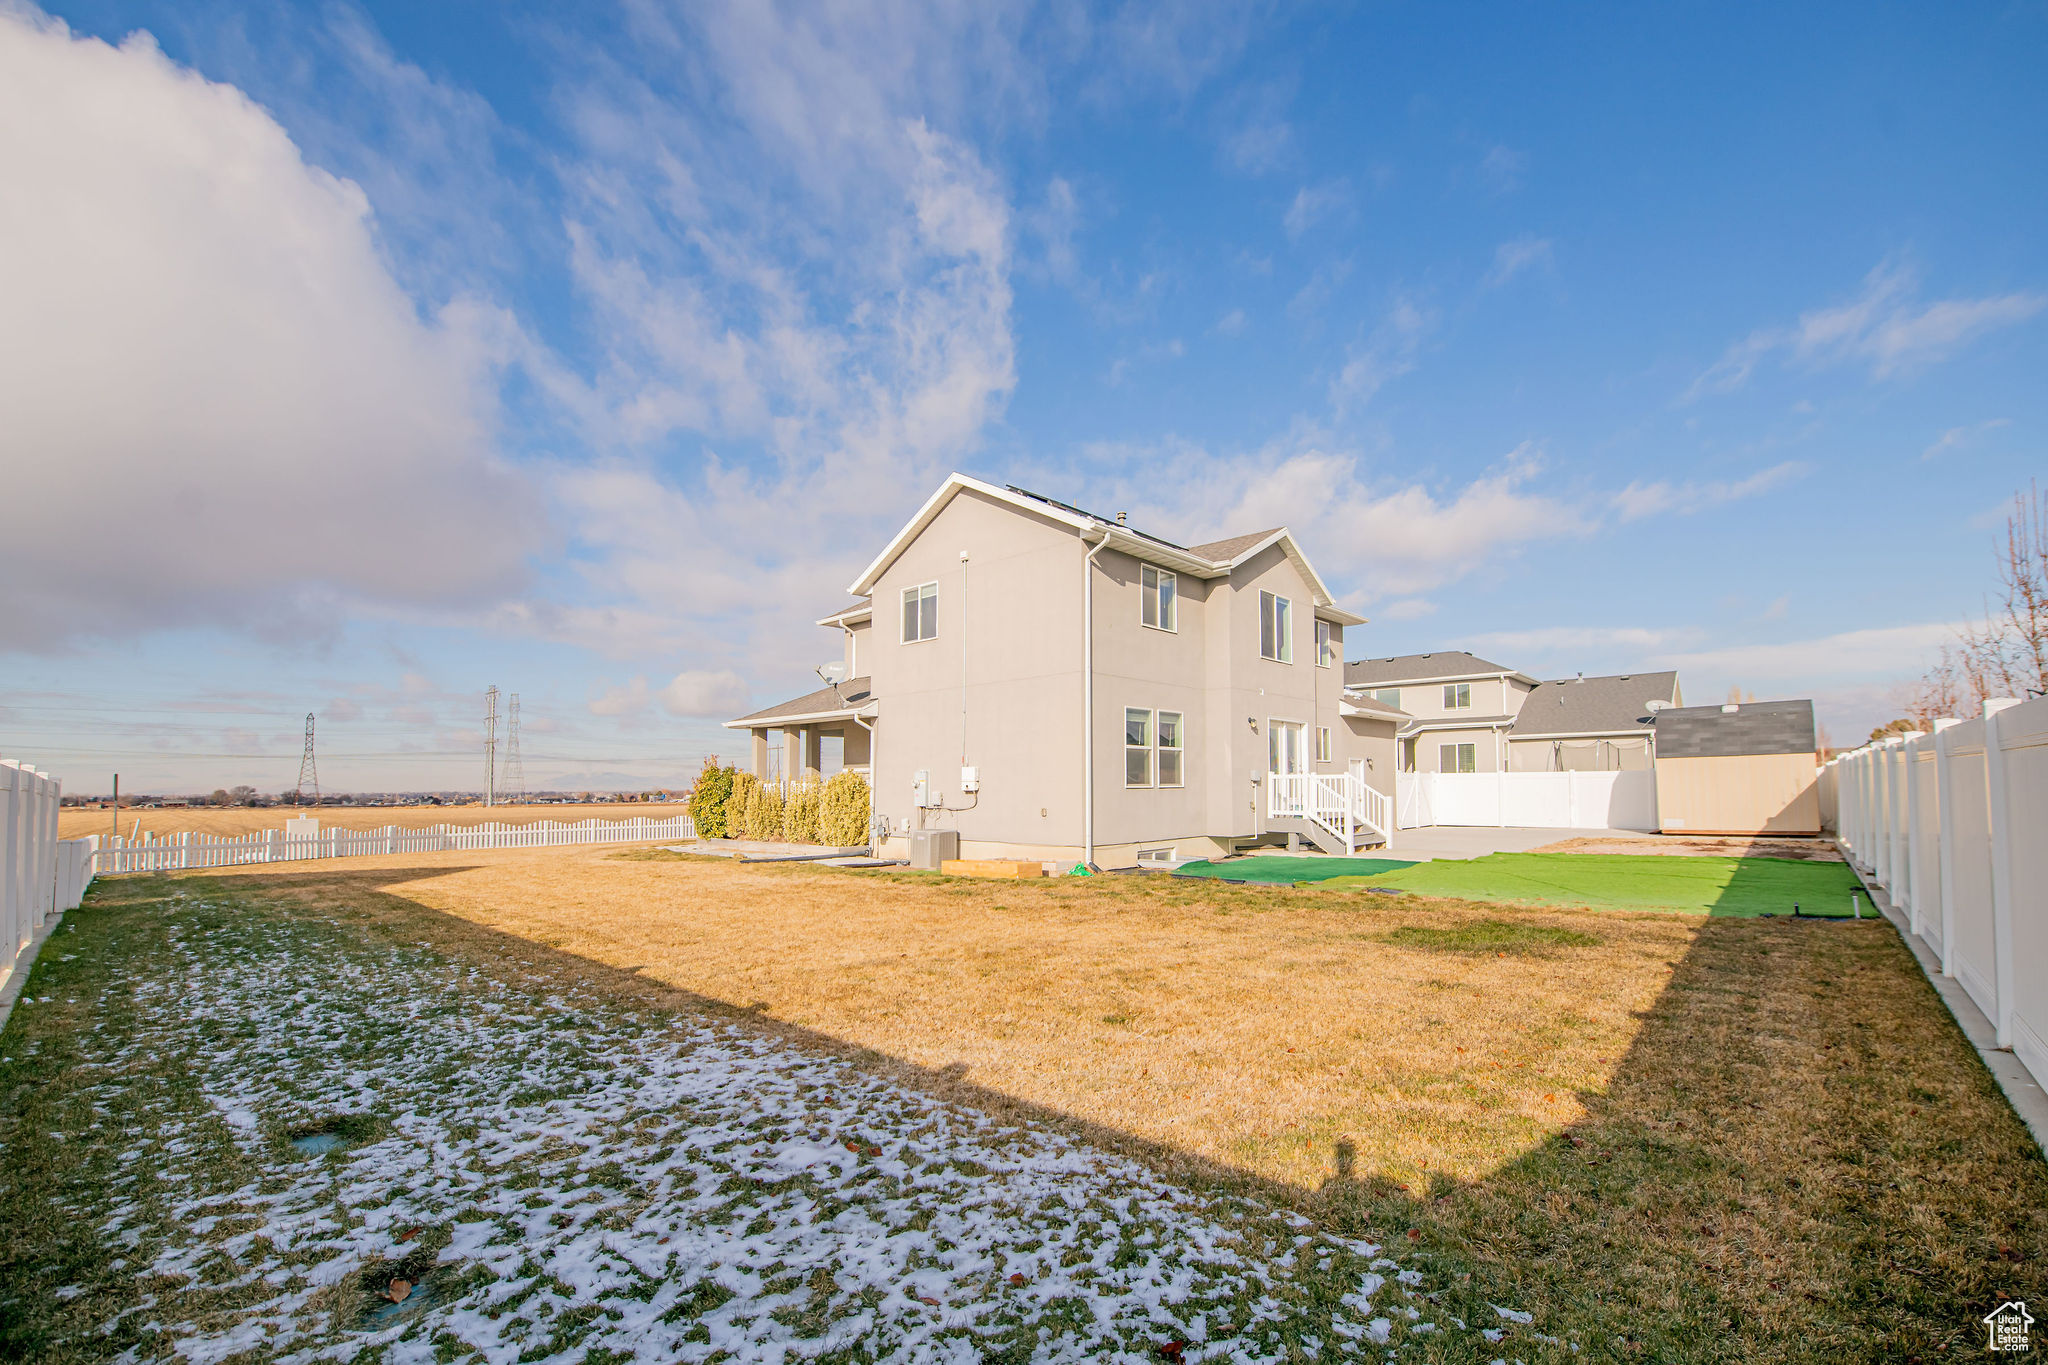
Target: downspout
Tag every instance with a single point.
(1088, 699)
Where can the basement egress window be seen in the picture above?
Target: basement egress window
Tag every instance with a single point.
(1156, 593)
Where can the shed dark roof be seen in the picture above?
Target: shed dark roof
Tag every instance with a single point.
(848, 696)
(1754, 727)
(1593, 706)
(1418, 668)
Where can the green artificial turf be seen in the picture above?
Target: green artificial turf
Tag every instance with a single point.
(1285, 871)
(1623, 881)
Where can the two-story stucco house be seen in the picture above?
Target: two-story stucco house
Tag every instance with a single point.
(1466, 714)
(1057, 685)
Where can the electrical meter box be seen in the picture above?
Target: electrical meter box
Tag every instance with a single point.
(970, 780)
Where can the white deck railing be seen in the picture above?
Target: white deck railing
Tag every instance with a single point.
(1343, 805)
(179, 852)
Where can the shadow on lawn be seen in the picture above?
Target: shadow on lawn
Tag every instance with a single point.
(1799, 1156)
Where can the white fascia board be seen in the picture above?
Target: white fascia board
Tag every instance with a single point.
(1426, 682)
(1583, 734)
(955, 483)
(811, 718)
(1284, 538)
(847, 617)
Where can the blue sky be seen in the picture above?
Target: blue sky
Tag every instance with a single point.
(362, 356)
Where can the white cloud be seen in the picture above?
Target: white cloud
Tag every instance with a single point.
(1406, 609)
(721, 695)
(1882, 327)
(1881, 652)
(1512, 258)
(1313, 204)
(627, 699)
(1640, 500)
(1501, 170)
(1623, 640)
(1389, 353)
(1959, 436)
(1230, 324)
(204, 361)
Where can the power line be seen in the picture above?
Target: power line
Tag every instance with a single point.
(309, 773)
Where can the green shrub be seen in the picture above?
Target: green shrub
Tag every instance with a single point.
(708, 798)
(800, 822)
(843, 811)
(764, 812)
(744, 785)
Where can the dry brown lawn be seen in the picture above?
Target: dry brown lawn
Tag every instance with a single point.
(1693, 1138)
(74, 824)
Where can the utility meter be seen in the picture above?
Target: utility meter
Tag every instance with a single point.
(970, 779)
(921, 788)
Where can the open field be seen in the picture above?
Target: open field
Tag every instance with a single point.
(75, 824)
(1669, 1137)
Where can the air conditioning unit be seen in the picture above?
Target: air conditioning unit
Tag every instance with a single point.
(930, 847)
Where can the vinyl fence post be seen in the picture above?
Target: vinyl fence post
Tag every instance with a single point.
(2001, 867)
(1945, 799)
(1913, 875)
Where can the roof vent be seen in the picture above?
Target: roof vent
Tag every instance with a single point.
(1730, 709)
(1121, 517)
(1580, 678)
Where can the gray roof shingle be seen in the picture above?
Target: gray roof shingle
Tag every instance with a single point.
(1593, 706)
(848, 696)
(1229, 548)
(1754, 727)
(1419, 668)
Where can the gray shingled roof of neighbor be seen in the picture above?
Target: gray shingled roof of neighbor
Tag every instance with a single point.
(1593, 706)
(1421, 668)
(848, 696)
(1754, 727)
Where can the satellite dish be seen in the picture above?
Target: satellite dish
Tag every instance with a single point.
(1655, 705)
(833, 673)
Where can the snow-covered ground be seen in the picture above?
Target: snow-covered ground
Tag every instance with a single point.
(567, 1176)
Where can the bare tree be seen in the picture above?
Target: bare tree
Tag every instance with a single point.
(2006, 654)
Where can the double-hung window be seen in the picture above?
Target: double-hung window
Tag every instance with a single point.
(1322, 744)
(1458, 758)
(1276, 628)
(1326, 644)
(1155, 748)
(1457, 696)
(921, 613)
(1391, 696)
(1157, 592)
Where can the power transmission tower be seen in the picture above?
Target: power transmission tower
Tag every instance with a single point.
(309, 772)
(490, 746)
(515, 771)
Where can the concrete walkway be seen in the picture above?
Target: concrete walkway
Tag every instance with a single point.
(1463, 842)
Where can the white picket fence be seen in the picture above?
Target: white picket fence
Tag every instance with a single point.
(40, 874)
(303, 838)
(1952, 826)
(1568, 800)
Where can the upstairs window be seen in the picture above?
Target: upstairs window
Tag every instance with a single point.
(1326, 644)
(921, 613)
(1457, 696)
(1391, 696)
(1276, 628)
(1156, 590)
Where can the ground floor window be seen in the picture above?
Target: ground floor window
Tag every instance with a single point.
(1154, 745)
(1458, 758)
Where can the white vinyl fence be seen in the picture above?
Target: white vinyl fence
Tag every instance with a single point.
(40, 874)
(303, 838)
(1952, 826)
(1594, 800)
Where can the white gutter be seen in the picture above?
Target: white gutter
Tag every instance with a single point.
(1088, 696)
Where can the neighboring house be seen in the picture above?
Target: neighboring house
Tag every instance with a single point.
(1460, 707)
(1471, 715)
(1590, 724)
(1054, 684)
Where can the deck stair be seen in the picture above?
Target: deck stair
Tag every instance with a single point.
(1337, 812)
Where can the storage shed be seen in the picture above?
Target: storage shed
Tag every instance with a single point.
(1738, 769)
